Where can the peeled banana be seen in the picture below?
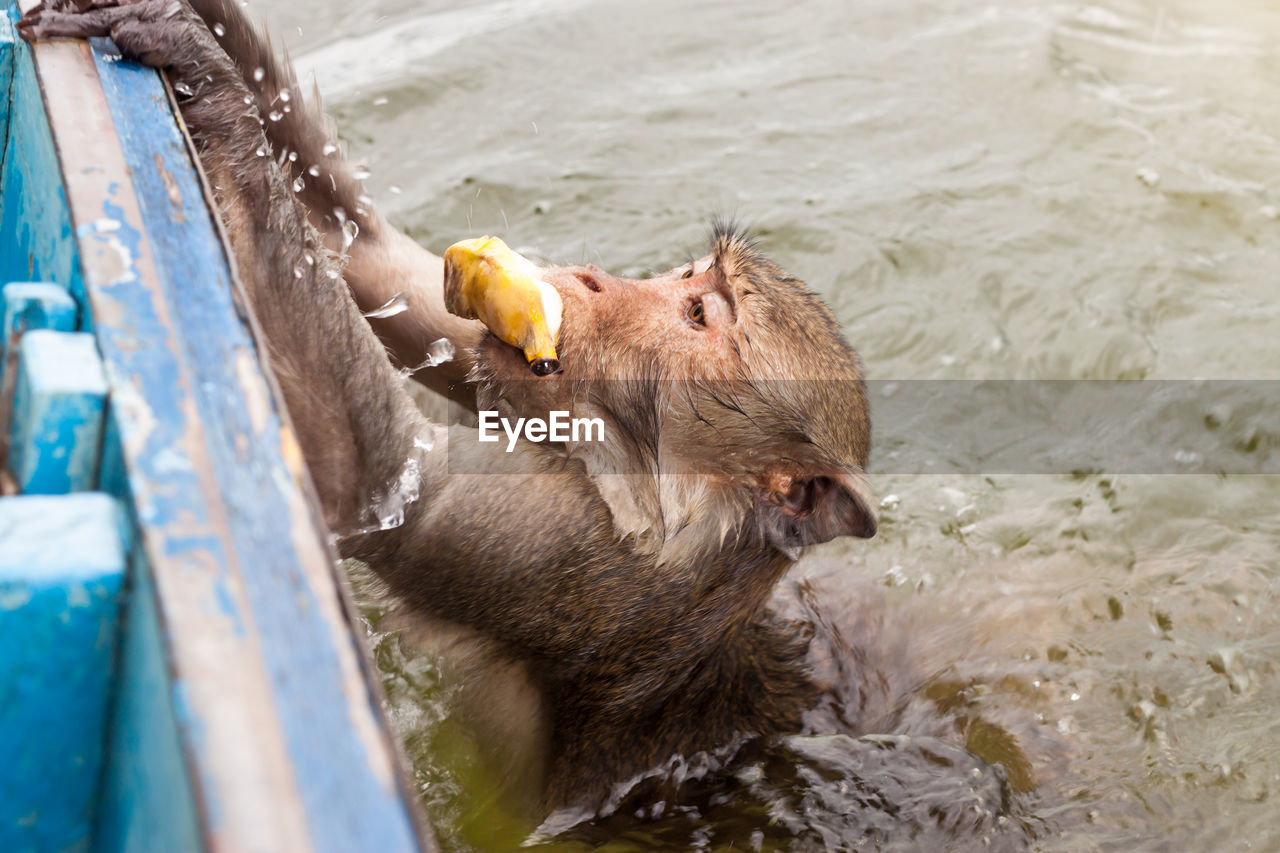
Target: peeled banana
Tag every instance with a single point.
(484, 280)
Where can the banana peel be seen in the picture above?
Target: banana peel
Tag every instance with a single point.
(485, 280)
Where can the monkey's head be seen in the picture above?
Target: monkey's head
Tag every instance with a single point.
(733, 406)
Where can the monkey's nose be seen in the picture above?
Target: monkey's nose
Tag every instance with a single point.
(589, 279)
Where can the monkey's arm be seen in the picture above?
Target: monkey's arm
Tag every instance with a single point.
(382, 261)
(498, 541)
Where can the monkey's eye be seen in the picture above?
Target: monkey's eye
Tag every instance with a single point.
(688, 273)
(695, 313)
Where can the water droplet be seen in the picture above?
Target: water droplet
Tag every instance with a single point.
(293, 156)
(331, 273)
(248, 99)
(261, 152)
(329, 148)
(397, 304)
(183, 89)
(360, 173)
(284, 97)
(298, 185)
(275, 115)
(297, 272)
(219, 30)
(258, 74)
(350, 230)
(314, 171)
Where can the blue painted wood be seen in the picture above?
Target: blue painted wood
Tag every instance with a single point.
(36, 240)
(6, 77)
(113, 474)
(61, 568)
(146, 800)
(34, 305)
(348, 803)
(59, 400)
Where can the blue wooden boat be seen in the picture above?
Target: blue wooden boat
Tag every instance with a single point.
(180, 667)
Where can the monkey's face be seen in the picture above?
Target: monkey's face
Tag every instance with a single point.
(726, 367)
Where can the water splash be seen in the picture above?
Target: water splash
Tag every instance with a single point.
(397, 304)
(403, 491)
(388, 508)
(438, 353)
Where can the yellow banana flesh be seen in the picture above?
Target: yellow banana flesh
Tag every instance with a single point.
(484, 280)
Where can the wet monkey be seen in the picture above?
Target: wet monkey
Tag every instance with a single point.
(629, 578)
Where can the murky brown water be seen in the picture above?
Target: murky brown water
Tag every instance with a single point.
(1015, 190)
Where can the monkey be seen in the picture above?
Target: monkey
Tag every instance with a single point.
(629, 577)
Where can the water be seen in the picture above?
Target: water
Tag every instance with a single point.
(1002, 191)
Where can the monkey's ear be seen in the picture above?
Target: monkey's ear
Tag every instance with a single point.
(794, 511)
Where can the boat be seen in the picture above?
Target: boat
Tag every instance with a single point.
(181, 666)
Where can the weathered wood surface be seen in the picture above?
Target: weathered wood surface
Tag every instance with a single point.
(61, 571)
(247, 717)
(59, 402)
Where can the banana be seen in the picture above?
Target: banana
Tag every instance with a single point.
(484, 280)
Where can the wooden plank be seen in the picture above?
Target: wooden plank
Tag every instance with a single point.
(6, 78)
(37, 242)
(25, 306)
(59, 400)
(61, 568)
(277, 711)
(34, 305)
(146, 802)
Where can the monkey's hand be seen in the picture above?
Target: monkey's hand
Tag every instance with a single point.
(485, 280)
(90, 18)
